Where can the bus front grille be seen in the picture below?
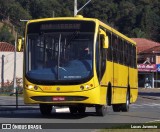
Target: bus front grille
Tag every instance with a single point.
(58, 98)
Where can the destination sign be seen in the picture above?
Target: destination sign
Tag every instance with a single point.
(60, 26)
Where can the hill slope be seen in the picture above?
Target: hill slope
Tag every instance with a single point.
(131, 17)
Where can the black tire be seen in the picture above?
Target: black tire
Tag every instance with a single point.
(45, 109)
(116, 107)
(101, 110)
(125, 107)
(81, 109)
(73, 109)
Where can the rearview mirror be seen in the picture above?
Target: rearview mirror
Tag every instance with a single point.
(19, 45)
(105, 44)
(105, 40)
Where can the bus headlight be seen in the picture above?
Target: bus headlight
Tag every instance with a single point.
(33, 87)
(87, 86)
(29, 87)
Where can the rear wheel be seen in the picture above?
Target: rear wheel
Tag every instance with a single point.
(116, 107)
(125, 107)
(101, 110)
(45, 109)
(122, 107)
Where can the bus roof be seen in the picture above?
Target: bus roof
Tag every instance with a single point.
(116, 32)
(79, 17)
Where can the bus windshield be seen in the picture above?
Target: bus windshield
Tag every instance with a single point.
(58, 55)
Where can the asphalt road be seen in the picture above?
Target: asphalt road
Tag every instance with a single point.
(146, 109)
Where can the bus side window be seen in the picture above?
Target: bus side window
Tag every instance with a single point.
(121, 51)
(132, 57)
(109, 51)
(125, 53)
(134, 54)
(118, 50)
(103, 54)
(129, 54)
(114, 48)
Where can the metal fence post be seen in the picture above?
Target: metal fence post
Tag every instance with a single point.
(2, 72)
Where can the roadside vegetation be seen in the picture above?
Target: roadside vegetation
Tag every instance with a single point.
(136, 19)
(7, 88)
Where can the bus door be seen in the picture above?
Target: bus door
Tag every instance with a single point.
(101, 55)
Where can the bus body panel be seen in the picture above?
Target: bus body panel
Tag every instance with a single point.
(92, 98)
(116, 75)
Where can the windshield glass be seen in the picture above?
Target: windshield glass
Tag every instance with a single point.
(59, 56)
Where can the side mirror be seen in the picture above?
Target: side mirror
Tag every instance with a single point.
(106, 42)
(19, 45)
(105, 39)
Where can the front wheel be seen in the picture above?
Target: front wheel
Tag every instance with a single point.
(73, 109)
(81, 109)
(45, 109)
(101, 110)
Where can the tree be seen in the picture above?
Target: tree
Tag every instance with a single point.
(131, 17)
(5, 35)
(138, 33)
(16, 12)
(148, 18)
(4, 8)
(43, 8)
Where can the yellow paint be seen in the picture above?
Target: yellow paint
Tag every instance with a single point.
(96, 94)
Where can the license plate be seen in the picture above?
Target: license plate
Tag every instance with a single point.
(58, 98)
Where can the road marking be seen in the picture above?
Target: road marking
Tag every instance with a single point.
(54, 110)
(145, 105)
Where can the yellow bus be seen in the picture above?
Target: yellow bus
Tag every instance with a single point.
(78, 62)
